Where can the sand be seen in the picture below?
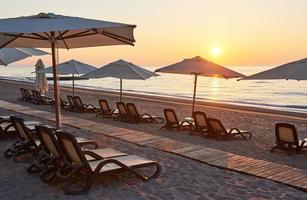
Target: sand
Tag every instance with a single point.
(181, 178)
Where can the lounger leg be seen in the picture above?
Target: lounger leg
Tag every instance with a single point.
(83, 190)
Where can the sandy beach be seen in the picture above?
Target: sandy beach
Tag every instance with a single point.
(182, 178)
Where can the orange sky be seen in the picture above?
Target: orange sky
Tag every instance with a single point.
(258, 32)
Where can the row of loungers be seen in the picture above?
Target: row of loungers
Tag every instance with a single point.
(286, 135)
(208, 127)
(36, 97)
(76, 162)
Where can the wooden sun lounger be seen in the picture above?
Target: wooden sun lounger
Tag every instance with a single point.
(50, 157)
(25, 142)
(287, 139)
(41, 100)
(147, 118)
(105, 110)
(172, 122)
(218, 131)
(200, 123)
(123, 114)
(84, 108)
(76, 162)
(26, 96)
(6, 125)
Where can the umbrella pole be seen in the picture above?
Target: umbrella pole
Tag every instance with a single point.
(194, 94)
(121, 90)
(73, 85)
(55, 84)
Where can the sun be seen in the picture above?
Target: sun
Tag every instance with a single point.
(216, 51)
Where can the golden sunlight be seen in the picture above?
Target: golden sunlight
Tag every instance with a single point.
(216, 51)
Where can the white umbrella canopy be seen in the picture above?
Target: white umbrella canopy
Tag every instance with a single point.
(58, 31)
(41, 83)
(10, 55)
(123, 70)
(198, 66)
(70, 67)
(70, 32)
(296, 70)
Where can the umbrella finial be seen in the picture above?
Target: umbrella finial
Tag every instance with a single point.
(43, 15)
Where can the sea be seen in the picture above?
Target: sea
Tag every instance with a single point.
(285, 95)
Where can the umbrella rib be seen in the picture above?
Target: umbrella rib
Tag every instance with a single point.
(23, 36)
(116, 38)
(73, 35)
(48, 36)
(38, 35)
(16, 36)
(81, 35)
(61, 34)
(64, 41)
(124, 38)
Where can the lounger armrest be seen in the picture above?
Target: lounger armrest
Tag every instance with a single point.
(185, 122)
(89, 105)
(146, 114)
(234, 129)
(120, 164)
(92, 154)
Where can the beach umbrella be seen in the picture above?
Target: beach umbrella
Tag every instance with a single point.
(41, 83)
(123, 70)
(58, 31)
(198, 66)
(70, 67)
(10, 55)
(296, 70)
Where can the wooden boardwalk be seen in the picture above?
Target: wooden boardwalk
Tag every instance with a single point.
(273, 171)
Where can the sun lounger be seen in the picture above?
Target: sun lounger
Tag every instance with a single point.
(25, 142)
(105, 110)
(64, 104)
(41, 100)
(7, 127)
(218, 131)
(76, 163)
(81, 107)
(287, 139)
(50, 157)
(27, 96)
(172, 122)
(123, 114)
(72, 104)
(23, 95)
(136, 117)
(200, 124)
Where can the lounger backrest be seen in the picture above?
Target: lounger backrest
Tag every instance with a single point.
(216, 126)
(22, 92)
(78, 101)
(71, 100)
(122, 108)
(27, 93)
(200, 119)
(132, 109)
(104, 105)
(71, 149)
(62, 102)
(38, 95)
(286, 133)
(48, 140)
(22, 132)
(170, 116)
(34, 93)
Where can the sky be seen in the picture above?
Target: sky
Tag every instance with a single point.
(228, 32)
